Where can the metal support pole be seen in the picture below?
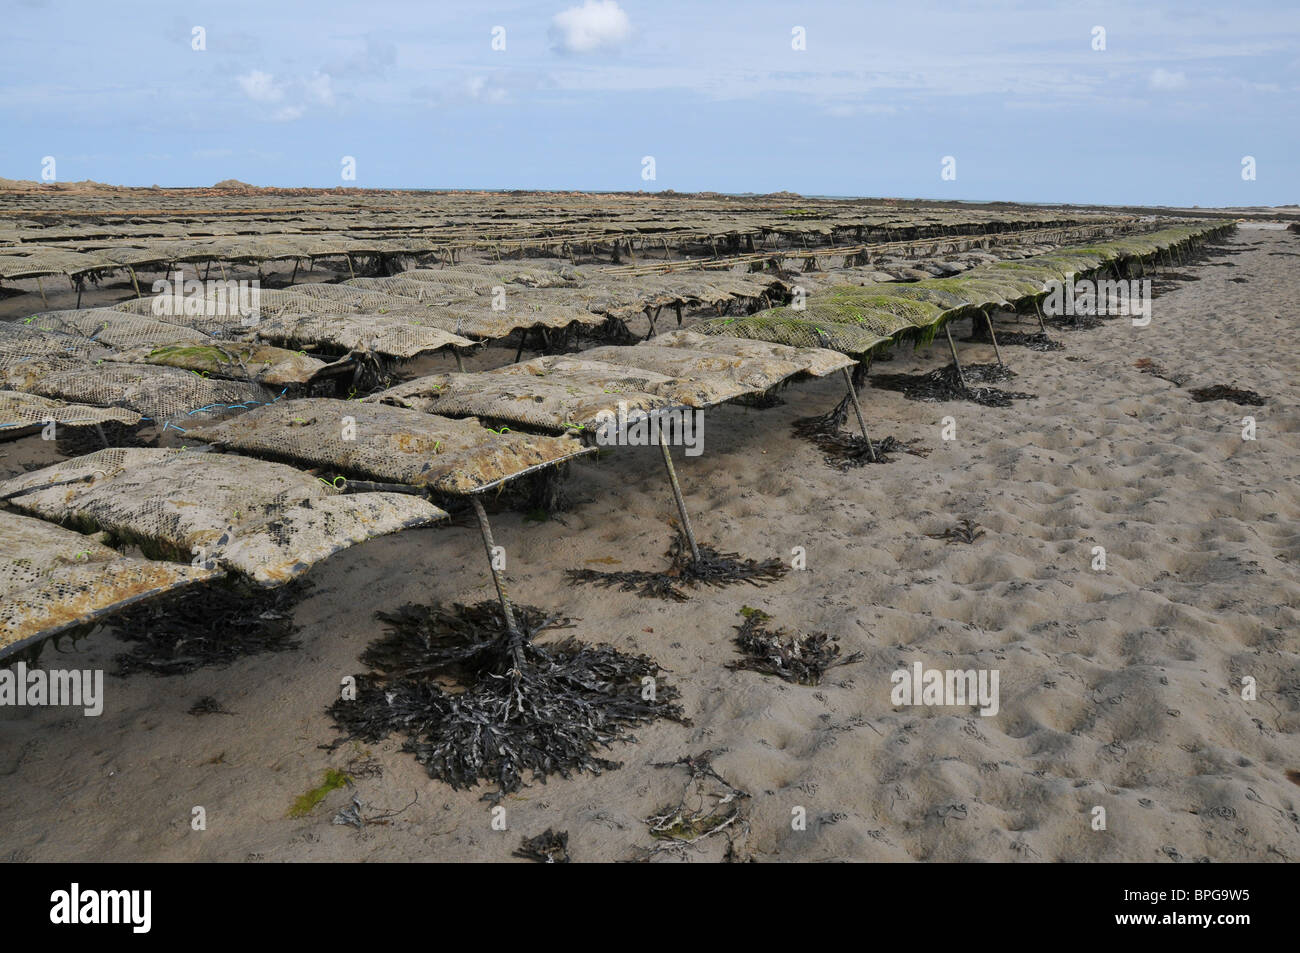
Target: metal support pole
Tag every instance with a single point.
(677, 495)
(460, 361)
(988, 317)
(485, 531)
(857, 409)
(952, 346)
(1039, 311)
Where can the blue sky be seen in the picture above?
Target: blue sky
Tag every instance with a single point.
(714, 91)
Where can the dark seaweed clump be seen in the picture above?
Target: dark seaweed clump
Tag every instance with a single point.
(476, 703)
(844, 450)
(1224, 392)
(966, 531)
(1038, 341)
(549, 847)
(944, 384)
(713, 568)
(208, 625)
(802, 659)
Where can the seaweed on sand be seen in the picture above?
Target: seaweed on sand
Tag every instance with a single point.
(1224, 392)
(713, 568)
(1037, 341)
(802, 659)
(548, 847)
(1148, 366)
(944, 383)
(709, 805)
(964, 532)
(212, 624)
(844, 450)
(1202, 394)
(476, 702)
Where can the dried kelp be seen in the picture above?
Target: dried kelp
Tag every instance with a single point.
(802, 659)
(1224, 392)
(712, 569)
(1148, 366)
(1038, 341)
(549, 847)
(946, 384)
(214, 624)
(709, 805)
(207, 705)
(964, 532)
(844, 450)
(478, 703)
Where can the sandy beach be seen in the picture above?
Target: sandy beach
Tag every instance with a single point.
(1120, 689)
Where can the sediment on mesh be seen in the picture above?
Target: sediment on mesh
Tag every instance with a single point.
(297, 299)
(815, 361)
(52, 579)
(616, 380)
(385, 335)
(161, 394)
(116, 329)
(914, 311)
(421, 291)
(479, 278)
(18, 410)
(389, 444)
(265, 520)
(627, 296)
(229, 360)
(849, 339)
(556, 402)
(560, 309)
(23, 339)
(756, 374)
(353, 298)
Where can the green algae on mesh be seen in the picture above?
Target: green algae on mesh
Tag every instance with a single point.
(306, 803)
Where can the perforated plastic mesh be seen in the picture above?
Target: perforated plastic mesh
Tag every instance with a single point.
(861, 319)
(388, 335)
(526, 395)
(421, 291)
(52, 578)
(266, 520)
(754, 374)
(390, 444)
(817, 362)
(28, 410)
(792, 328)
(230, 360)
(114, 328)
(163, 395)
(20, 341)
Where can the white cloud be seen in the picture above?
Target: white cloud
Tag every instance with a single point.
(595, 25)
(261, 87)
(484, 90)
(321, 89)
(1164, 79)
(287, 114)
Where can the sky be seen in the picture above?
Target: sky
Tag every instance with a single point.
(1159, 102)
